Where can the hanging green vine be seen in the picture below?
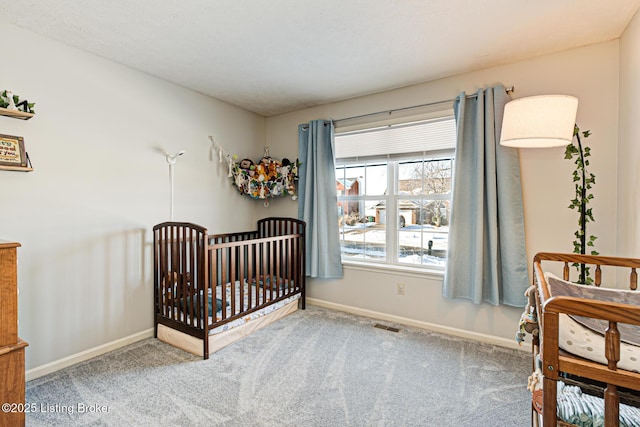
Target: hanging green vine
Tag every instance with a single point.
(584, 182)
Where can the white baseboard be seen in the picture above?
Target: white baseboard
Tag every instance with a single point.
(476, 336)
(56, 365)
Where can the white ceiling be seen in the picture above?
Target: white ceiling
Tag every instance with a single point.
(275, 56)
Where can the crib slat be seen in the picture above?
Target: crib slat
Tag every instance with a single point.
(240, 276)
(198, 280)
(277, 273)
(187, 298)
(189, 273)
(223, 282)
(633, 283)
(612, 353)
(270, 266)
(215, 270)
(288, 250)
(232, 278)
(162, 273)
(265, 272)
(253, 280)
(612, 345)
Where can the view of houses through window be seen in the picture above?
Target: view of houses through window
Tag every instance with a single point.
(394, 208)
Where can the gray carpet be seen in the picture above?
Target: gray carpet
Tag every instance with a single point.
(316, 367)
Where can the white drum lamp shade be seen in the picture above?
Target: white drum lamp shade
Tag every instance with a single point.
(539, 121)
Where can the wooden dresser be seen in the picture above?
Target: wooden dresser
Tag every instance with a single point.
(12, 384)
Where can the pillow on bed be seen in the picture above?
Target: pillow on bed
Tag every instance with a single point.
(180, 305)
(628, 333)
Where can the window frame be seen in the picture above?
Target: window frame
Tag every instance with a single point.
(392, 199)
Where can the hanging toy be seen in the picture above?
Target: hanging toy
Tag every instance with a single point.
(266, 178)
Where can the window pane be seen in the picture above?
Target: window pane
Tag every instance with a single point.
(362, 229)
(437, 176)
(423, 230)
(410, 177)
(353, 180)
(376, 180)
(362, 179)
(340, 180)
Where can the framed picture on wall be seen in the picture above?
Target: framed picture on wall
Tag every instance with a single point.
(12, 152)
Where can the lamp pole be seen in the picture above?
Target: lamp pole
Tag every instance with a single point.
(171, 160)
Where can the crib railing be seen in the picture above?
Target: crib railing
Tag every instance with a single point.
(249, 275)
(554, 362)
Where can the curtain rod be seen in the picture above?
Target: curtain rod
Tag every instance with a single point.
(507, 89)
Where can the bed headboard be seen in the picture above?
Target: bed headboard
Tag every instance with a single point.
(180, 269)
(272, 227)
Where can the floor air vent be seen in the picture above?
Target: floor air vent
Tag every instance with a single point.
(386, 328)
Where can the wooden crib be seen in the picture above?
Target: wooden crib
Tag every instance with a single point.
(212, 290)
(605, 377)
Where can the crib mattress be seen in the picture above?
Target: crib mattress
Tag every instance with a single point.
(584, 337)
(242, 294)
(247, 295)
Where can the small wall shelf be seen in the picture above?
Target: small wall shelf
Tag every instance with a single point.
(16, 168)
(15, 114)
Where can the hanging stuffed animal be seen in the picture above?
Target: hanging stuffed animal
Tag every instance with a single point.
(529, 319)
(272, 171)
(246, 164)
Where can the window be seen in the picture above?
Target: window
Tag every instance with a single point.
(394, 192)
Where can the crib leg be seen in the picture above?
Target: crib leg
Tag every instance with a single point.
(611, 406)
(549, 396)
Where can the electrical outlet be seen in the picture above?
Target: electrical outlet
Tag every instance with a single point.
(401, 289)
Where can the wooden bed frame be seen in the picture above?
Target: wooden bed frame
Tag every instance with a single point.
(250, 270)
(556, 363)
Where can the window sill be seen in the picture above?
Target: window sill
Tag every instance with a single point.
(395, 270)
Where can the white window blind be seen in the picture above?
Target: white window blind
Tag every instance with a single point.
(397, 140)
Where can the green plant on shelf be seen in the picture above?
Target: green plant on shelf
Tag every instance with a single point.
(24, 105)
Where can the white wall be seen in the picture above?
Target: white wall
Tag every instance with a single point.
(629, 152)
(84, 216)
(591, 74)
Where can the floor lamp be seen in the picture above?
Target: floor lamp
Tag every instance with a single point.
(171, 160)
(543, 122)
